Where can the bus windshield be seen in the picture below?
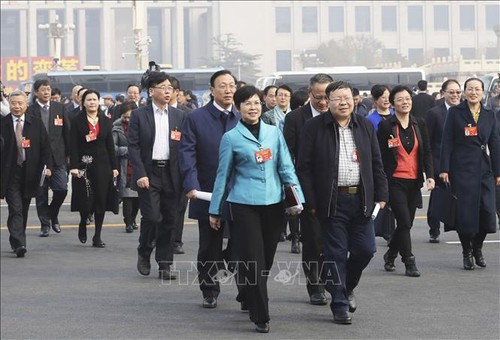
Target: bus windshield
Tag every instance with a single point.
(116, 82)
(363, 80)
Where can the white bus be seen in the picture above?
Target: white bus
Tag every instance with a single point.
(359, 77)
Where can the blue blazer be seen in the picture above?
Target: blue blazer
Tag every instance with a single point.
(199, 152)
(375, 118)
(253, 183)
(141, 138)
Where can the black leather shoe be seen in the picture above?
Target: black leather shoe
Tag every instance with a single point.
(478, 256)
(20, 251)
(389, 261)
(56, 227)
(178, 250)
(295, 249)
(352, 302)
(434, 239)
(129, 229)
(209, 302)
(468, 260)
(262, 327)
(318, 299)
(44, 232)
(98, 244)
(143, 265)
(135, 226)
(342, 318)
(82, 233)
(166, 274)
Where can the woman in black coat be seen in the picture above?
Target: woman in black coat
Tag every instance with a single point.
(470, 162)
(93, 165)
(406, 155)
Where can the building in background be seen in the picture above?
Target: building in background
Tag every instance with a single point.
(282, 32)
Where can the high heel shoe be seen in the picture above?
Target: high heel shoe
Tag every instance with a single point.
(98, 243)
(82, 233)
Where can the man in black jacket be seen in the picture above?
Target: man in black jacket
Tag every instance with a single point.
(423, 101)
(55, 121)
(341, 173)
(26, 150)
(310, 229)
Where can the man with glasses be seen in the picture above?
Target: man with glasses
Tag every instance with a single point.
(434, 119)
(199, 159)
(342, 176)
(310, 229)
(153, 136)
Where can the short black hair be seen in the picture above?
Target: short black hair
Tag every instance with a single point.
(218, 74)
(378, 90)
(157, 77)
(355, 92)
(444, 87)
(40, 82)
(471, 79)
(55, 91)
(298, 99)
(340, 84)
(80, 90)
(396, 90)
(245, 93)
(127, 106)
(131, 85)
(174, 82)
(268, 87)
(87, 92)
(286, 88)
(422, 85)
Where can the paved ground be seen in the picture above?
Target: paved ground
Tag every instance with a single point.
(66, 290)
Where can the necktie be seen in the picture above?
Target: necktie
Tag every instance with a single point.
(19, 140)
(45, 116)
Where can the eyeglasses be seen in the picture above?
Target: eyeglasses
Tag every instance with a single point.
(458, 92)
(319, 98)
(283, 95)
(339, 100)
(249, 104)
(224, 86)
(474, 89)
(403, 99)
(163, 88)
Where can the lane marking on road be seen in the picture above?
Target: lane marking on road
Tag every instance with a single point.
(458, 242)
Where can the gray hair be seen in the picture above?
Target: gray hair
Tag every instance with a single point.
(18, 93)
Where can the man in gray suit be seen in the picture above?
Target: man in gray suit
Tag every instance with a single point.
(154, 135)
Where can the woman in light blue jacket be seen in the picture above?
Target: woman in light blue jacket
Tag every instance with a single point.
(254, 167)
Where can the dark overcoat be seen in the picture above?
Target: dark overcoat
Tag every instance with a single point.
(36, 156)
(472, 162)
(100, 171)
(199, 152)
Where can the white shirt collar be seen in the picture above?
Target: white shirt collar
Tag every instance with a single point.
(447, 106)
(42, 105)
(314, 111)
(156, 108)
(220, 108)
(14, 119)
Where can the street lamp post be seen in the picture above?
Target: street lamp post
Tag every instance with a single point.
(56, 32)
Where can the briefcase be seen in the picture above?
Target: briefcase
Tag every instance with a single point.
(113, 198)
(443, 206)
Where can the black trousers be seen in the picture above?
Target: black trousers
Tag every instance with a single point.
(256, 234)
(210, 259)
(18, 209)
(159, 208)
(130, 209)
(312, 250)
(293, 224)
(179, 228)
(404, 196)
(58, 182)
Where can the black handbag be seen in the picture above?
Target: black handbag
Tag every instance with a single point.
(113, 199)
(443, 206)
(385, 223)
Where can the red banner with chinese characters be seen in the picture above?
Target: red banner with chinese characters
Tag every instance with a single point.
(17, 70)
